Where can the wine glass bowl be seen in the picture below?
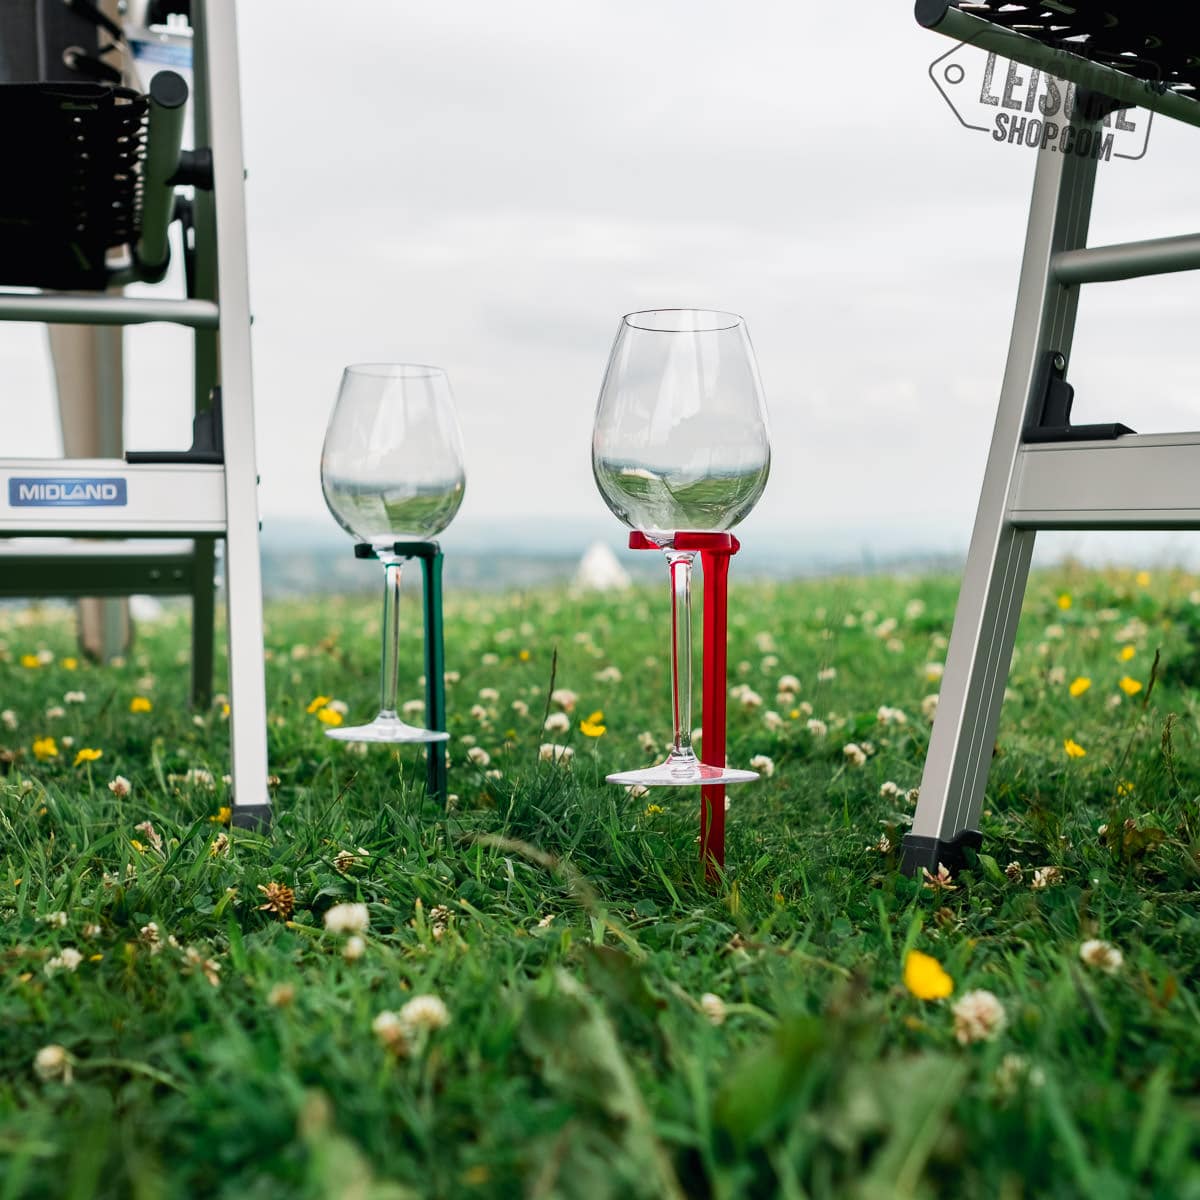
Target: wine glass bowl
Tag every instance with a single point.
(392, 462)
(392, 471)
(680, 443)
(680, 440)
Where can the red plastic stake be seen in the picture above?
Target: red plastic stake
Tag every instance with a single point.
(715, 549)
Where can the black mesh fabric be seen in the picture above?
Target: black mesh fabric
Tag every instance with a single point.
(70, 187)
(1153, 40)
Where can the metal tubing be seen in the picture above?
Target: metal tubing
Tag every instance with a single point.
(167, 95)
(975, 31)
(1128, 260)
(435, 675)
(989, 602)
(70, 308)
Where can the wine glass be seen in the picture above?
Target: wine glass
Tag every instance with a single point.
(680, 443)
(392, 471)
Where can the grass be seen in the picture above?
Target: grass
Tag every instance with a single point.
(219, 1048)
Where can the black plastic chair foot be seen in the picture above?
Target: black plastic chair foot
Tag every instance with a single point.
(251, 816)
(927, 852)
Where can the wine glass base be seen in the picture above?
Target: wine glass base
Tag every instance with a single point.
(385, 729)
(682, 773)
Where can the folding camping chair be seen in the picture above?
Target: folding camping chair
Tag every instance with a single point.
(1043, 472)
(99, 168)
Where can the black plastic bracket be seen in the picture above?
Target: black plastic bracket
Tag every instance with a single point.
(926, 852)
(251, 816)
(208, 440)
(195, 169)
(1049, 418)
(400, 550)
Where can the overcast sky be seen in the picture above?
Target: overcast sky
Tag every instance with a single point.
(489, 186)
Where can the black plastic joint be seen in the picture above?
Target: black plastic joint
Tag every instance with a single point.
(400, 549)
(931, 13)
(168, 89)
(195, 169)
(251, 816)
(927, 852)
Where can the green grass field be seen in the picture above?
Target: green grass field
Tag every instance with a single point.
(602, 1023)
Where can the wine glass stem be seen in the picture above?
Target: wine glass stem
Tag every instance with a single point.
(681, 649)
(391, 637)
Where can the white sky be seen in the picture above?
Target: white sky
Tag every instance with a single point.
(489, 186)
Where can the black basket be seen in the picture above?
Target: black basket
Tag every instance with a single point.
(70, 187)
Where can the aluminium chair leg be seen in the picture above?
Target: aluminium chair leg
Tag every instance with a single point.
(989, 604)
(204, 619)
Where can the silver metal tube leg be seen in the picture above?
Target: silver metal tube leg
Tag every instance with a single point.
(989, 603)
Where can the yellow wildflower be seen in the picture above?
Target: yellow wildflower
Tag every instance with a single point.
(1130, 687)
(86, 755)
(1142, 579)
(318, 702)
(1079, 685)
(140, 704)
(222, 816)
(30, 661)
(69, 664)
(1073, 749)
(137, 845)
(593, 726)
(1124, 788)
(1127, 652)
(925, 977)
(524, 656)
(44, 747)
(329, 716)
(1064, 601)
(225, 711)
(652, 810)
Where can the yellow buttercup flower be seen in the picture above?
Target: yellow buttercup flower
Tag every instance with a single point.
(524, 656)
(1073, 749)
(30, 661)
(1124, 788)
(329, 716)
(44, 747)
(318, 702)
(1127, 652)
(87, 754)
(593, 726)
(1064, 601)
(140, 704)
(1142, 579)
(652, 810)
(69, 664)
(925, 977)
(222, 816)
(1130, 687)
(1079, 685)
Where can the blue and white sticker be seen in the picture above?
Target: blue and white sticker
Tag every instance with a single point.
(71, 492)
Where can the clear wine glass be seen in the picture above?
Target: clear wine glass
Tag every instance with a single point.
(680, 443)
(392, 471)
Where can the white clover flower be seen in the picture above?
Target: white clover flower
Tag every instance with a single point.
(816, 727)
(750, 699)
(825, 674)
(520, 708)
(564, 698)
(9, 719)
(648, 742)
(769, 663)
(763, 764)
(550, 752)
(854, 754)
(389, 1029)
(479, 756)
(413, 708)
(773, 721)
(544, 922)
(451, 677)
(713, 1008)
(68, 960)
(338, 706)
(120, 786)
(636, 790)
(354, 948)
(609, 674)
(788, 683)
(765, 642)
(914, 609)
(478, 712)
(978, 1017)
(934, 671)
(53, 1062)
(889, 790)
(1104, 956)
(929, 706)
(46, 657)
(849, 621)
(1044, 877)
(557, 722)
(57, 920)
(281, 995)
(1012, 1070)
(55, 712)
(425, 1014)
(489, 659)
(891, 716)
(886, 628)
(347, 918)
(74, 697)
(494, 773)
(489, 695)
